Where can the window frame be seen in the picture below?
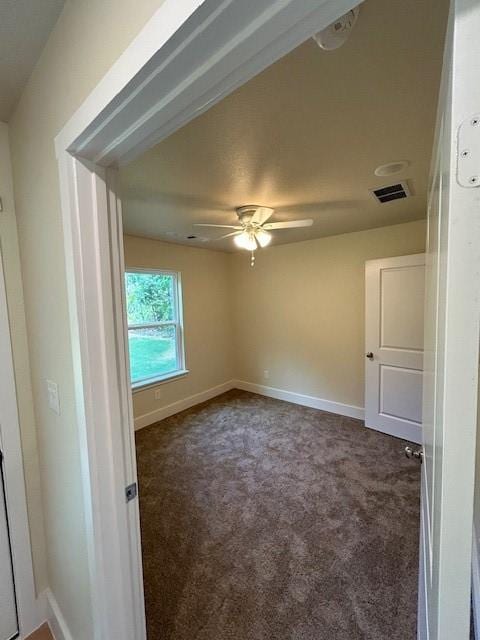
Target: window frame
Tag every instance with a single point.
(177, 322)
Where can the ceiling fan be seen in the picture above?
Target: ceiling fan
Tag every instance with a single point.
(253, 230)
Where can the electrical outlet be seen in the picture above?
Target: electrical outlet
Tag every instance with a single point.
(266, 374)
(157, 394)
(53, 398)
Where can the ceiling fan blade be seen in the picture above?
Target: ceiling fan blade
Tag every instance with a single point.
(288, 224)
(261, 215)
(220, 226)
(235, 233)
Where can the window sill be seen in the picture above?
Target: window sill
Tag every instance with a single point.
(142, 385)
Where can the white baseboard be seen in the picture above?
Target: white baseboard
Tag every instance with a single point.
(476, 584)
(299, 398)
(164, 412)
(32, 620)
(42, 607)
(55, 619)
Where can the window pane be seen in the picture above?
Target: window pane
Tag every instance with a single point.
(150, 297)
(152, 352)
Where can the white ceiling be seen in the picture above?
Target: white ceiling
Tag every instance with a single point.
(304, 137)
(24, 29)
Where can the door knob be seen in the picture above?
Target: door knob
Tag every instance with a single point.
(369, 355)
(416, 454)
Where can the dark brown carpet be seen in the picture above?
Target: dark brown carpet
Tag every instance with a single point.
(266, 520)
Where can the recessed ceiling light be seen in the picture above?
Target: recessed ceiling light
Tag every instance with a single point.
(391, 168)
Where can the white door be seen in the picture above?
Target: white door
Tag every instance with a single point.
(394, 302)
(8, 609)
(452, 315)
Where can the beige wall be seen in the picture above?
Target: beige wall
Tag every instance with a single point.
(88, 38)
(206, 314)
(300, 312)
(16, 313)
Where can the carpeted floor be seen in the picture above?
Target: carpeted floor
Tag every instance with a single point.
(264, 520)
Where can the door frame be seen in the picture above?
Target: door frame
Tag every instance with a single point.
(187, 57)
(451, 355)
(28, 614)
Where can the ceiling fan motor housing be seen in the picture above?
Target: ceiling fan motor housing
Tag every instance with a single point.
(246, 212)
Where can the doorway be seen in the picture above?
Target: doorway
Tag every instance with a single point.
(203, 323)
(87, 204)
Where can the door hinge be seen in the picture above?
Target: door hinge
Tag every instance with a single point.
(468, 152)
(131, 491)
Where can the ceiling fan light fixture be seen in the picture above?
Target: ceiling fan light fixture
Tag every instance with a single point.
(246, 241)
(252, 231)
(263, 237)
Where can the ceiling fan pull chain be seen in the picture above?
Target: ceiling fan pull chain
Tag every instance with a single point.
(252, 259)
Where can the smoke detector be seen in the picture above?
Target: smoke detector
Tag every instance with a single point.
(337, 33)
(391, 168)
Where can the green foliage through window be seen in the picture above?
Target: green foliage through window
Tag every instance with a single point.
(150, 297)
(152, 300)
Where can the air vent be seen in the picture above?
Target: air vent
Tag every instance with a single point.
(393, 192)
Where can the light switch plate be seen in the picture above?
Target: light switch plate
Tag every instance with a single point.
(53, 398)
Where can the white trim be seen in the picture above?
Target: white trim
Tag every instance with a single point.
(15, 496)
(188, 56)
(148, 383)
(107, 466)
(134, 553)
(314, 402)
(56, 621)
(476, 584)
(339, 408)
(171, 409)
(423, 632)
(41, 605)
(152, 38)
(450, 401)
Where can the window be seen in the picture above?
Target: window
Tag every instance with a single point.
(154, 315)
